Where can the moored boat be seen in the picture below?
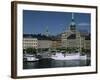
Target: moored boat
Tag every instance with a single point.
(29, 58)
(71, 56)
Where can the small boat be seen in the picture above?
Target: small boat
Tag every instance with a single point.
(30, 58)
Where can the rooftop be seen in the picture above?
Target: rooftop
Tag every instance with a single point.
(41, 37)
(72, 36)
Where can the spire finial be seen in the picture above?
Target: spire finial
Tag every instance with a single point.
(72, 25)
(72, 16)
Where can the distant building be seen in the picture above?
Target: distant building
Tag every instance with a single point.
(36, 41)
(72, 38)
(56, 43)
(30, 42)
(44, 43)
(41, 41)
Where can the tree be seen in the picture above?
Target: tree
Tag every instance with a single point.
(31, 50)
(69, 50)
(74, 49)
(45, 49)
(39, 50)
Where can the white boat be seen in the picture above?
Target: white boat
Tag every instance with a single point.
(71, 56)
(29, 58)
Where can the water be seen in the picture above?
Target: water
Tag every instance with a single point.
(49, 63)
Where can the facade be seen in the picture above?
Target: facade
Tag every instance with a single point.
(75, 40)
(87, 44)
(36, 41)
(56, 43)
(44, 43)
(30, 43)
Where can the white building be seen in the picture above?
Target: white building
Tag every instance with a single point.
(30, 43)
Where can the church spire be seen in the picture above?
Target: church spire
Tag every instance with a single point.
(73, 22)
(47, 31)
(72, 25)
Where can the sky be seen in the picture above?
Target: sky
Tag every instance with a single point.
(35, 22)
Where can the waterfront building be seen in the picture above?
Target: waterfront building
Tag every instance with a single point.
(44, 43)
(56, 43)
(36, 41)
(72, 38)
(30, 42)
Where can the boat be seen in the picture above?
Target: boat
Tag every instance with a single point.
(30, 58)
(67, 56)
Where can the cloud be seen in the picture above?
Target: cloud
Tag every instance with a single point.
(83, 24)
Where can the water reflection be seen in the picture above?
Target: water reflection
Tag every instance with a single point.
(49, 63)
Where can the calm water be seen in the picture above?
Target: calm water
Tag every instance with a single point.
(48, 63)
